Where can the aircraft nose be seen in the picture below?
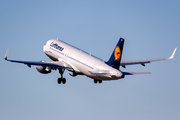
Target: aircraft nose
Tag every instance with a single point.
(44, 48)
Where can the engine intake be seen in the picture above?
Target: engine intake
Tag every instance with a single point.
(43, 70)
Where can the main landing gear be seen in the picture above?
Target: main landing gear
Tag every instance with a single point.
(96, 81)
(61, 79)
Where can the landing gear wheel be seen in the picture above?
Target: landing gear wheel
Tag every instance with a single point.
(59, 80)
(64, 80)
(95, 81)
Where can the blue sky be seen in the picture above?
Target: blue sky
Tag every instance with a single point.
(151, 30)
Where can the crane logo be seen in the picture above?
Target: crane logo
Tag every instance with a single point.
(117, 53)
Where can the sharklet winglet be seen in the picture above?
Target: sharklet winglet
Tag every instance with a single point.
(172, 56)
(6, 54)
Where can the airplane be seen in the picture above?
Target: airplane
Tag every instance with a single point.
(67, 57)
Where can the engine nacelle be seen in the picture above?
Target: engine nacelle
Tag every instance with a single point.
(43, 70)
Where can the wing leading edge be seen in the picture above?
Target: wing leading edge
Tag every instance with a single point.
(54, 64)
(143, 62)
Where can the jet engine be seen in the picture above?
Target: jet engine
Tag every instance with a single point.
(43, 70)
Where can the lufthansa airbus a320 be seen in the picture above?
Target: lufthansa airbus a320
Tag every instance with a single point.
(67, 57)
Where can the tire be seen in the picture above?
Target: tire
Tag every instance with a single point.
(64, 80)
(95, 81)
(59, 80)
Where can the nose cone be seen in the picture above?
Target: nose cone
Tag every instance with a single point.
(44, 48)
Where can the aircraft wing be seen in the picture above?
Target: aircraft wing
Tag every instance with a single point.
(143, 62)
(51, 64)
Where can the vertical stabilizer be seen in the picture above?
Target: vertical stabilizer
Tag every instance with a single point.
(115, 58)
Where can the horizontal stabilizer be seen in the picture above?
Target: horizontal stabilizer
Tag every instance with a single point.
(135, 73)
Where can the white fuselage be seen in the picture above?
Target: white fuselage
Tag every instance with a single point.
(80, 61)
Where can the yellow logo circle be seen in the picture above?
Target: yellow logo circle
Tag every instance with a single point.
(117, 53)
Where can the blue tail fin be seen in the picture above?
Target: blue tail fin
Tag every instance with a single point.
(115, 58)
